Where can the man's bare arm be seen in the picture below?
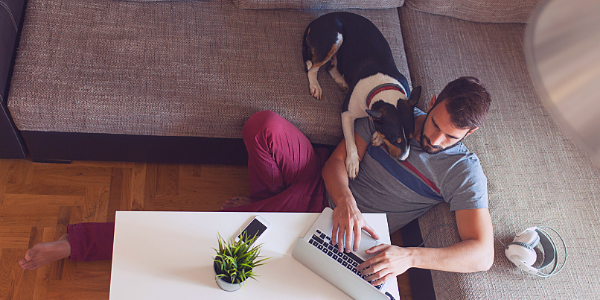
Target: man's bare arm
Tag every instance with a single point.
(474, 253)
(347, 218)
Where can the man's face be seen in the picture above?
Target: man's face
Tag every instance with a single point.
(438, 132)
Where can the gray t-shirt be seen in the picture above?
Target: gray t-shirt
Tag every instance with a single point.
(406, 190)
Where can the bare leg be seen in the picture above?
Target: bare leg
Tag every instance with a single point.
(45, 253)
(236, 201)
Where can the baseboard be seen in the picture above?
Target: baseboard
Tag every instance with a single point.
(65, 146)
(62, 146)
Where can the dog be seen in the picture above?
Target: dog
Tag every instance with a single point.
(361, 63)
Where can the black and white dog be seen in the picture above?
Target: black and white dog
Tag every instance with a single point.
(363, 65)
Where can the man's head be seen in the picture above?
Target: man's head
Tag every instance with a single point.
(458, 111)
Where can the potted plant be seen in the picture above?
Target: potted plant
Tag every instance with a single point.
(235, 262)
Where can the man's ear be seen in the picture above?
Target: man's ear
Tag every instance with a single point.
(431, 103)
(471, 131)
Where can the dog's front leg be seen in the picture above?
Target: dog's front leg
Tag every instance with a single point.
(336, 75)
(315, 88)
(352, 159)
(376, 139)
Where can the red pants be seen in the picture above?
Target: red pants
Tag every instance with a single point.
(284, 171)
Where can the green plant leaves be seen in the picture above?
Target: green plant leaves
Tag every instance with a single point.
(236, 260)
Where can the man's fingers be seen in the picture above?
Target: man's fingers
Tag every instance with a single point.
(348, 244)
(371, 262)
(383, 279)
(334, 233)
(356, 240)
(370, 231)
(377, 248)
(374, 272)
(341, 241)
(372, 276)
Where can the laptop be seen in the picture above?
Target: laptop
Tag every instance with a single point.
(316, 252)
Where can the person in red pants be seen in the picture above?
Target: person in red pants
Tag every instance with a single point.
(285, 176)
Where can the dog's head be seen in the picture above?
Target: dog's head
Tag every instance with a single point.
(396, 124)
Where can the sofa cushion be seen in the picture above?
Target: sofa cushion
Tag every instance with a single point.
(487, 11)
(317, 4)
(191, 68)
(536, 175)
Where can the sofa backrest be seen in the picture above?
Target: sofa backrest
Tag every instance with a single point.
(485, 11)
(317, 4)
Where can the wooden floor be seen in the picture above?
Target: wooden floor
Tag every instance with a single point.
(38, 201)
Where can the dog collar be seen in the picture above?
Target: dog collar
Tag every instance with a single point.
(384, 87)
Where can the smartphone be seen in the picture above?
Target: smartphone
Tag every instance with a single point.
(256, 227)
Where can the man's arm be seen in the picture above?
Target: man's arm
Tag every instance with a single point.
(347, 218)
(474, 253)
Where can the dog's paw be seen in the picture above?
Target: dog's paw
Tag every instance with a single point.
(316, 91)
(342, 83)
(345, 88)
(352, 165)
(376, 139)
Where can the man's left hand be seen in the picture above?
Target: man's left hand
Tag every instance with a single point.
(389, 263)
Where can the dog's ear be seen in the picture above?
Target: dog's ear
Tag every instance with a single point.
(375, 114)
(415, 95)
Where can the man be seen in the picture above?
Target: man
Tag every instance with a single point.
(285, 174)
(439, 168)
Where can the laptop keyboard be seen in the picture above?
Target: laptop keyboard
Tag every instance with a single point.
(349, 260)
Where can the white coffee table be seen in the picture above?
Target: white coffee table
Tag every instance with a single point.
(168, 255)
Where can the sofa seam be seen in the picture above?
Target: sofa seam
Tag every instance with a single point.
(403, 35)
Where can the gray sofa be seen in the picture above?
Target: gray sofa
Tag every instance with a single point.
(174, 81)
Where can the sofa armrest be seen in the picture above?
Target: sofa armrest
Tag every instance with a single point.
(10, 19)
(10, 16)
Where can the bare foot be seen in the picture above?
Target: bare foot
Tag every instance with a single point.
(44, 253)
(236, 201)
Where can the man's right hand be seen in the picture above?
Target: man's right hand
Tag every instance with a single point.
(348, 222)
(347, 218)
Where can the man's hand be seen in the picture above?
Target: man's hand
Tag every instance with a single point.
(348, 222)
(389, 263)
(347, 219)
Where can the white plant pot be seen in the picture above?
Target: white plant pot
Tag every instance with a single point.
(224, 285)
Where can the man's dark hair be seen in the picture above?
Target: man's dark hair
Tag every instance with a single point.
(467, 102)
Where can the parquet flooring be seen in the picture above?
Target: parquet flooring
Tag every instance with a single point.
(38, 201)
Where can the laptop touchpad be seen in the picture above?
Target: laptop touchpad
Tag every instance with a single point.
(366, 242)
